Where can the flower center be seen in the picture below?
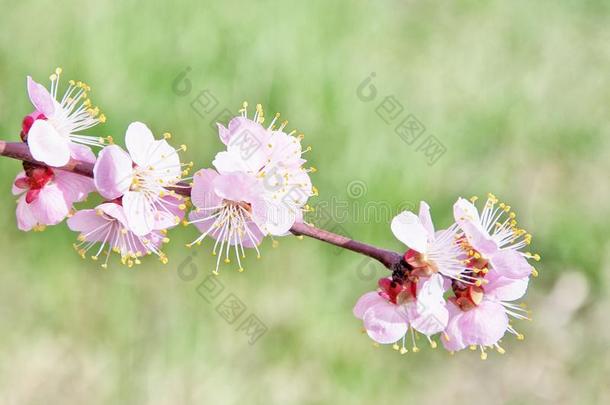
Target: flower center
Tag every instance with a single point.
(422, 265)
(398, 292)
(36, 178)
(467, 297)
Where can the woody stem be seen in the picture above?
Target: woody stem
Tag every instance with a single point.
(20, 151)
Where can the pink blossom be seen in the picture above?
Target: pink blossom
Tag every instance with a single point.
(430, 251)
(47, 195)
(273, 158)
(259, 187)
(478, 315)
(493, 236)
(105, 229)
(52, 131)
(229, 208)
(399, 306)
(144, 178)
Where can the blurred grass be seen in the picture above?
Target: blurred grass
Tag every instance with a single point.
(516, 91)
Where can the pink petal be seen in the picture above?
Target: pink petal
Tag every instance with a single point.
(50, 207)
(510, 263)
(75, 187)
(19, 184)
(384, 323)
(113, 172)
(285, 150)
(484, 324)
(452, 337)
(82, 152)
(139, 141)
(40, 97)
(25, 219)
(223, 133)
(47, 145)
(279, 218)
(140, 213)
(237, 187)
(467, 217)
(365, 302)
(202, 192)
(426, 219)
(227, 162)
(432, 314)
(90, 224)
(240, 126)
(115, 211)
(168, 214)
(254, 235)
(504, 288)
(433, 320)
(248, 143)
(408, 229)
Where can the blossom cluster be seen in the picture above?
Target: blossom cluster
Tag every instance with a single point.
(461, 282)
(258, 185)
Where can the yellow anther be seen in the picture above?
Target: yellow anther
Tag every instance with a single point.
(395, 346)
(403, 350)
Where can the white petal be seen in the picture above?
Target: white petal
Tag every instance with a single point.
(47, 145)
(408, 229)
(140, 213)
(139, 140)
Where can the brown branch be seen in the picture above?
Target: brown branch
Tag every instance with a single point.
(391, 260)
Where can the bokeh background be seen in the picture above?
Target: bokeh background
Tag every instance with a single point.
(517, 93)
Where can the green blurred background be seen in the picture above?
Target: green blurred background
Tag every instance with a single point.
(517, 92)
